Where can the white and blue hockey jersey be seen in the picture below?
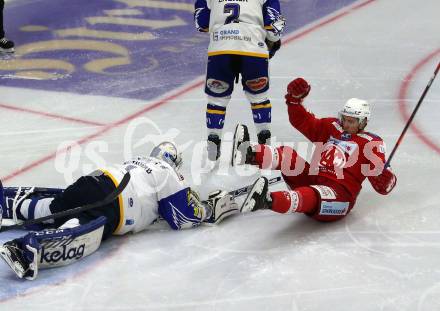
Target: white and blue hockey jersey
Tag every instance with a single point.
(155, 189)
(239, 26)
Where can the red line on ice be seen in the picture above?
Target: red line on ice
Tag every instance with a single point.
(403, 107)
(101, 131)
(49, 115)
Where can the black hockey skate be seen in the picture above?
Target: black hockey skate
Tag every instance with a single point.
(6, 46)
(264, 137)
(13, 255)
(258, 197)
(242, 151)
(214, 143)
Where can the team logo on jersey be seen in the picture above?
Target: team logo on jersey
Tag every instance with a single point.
(257, 84)
(217, 86)
(346, 136)
(215, 36)
(333, 155)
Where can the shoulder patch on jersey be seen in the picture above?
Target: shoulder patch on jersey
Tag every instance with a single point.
(369, 136)
(365, 136)
(374, 136)
(337, 126)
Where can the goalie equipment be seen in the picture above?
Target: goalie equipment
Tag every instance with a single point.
(242, 151)
(258, 196)
(11, 207)
(108, 199)
(167, 151)
(222, 205)
(53, 247)
(21, 255)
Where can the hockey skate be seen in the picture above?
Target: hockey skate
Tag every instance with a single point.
(264, 137)
(6, 46)
(22, 261)
(258, 196)
(214, 143)
(242, 151)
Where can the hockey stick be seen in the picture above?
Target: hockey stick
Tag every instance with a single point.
(50, 191)
(387, 164)
(108, 199)
(244, 190)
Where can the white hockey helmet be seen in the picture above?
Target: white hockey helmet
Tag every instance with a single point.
(167, 151)
(357, 108)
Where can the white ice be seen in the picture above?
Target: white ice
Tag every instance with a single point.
(384, 256)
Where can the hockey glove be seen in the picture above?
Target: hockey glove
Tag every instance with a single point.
(297, 90)
(383, 183)
(222, 205)
(273, 47)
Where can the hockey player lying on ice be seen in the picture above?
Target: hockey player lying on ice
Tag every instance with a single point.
(325, 189)
(155, 189)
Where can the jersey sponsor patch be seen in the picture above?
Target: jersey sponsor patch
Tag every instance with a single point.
(217, 86)
(257, 84)
(334, 208)
(348, 147)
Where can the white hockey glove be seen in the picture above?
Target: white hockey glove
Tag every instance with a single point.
(222, 205)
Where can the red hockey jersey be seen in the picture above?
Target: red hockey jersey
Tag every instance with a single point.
(340, 156)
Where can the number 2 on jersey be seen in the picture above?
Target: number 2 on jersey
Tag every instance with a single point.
(234, 10)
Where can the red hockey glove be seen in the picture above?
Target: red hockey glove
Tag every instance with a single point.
(297, 90)
(384, 182)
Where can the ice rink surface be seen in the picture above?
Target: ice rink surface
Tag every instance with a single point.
(82, 92)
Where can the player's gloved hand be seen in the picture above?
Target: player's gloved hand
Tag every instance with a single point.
(385, 182)
(297, 90)
(221, 204)
(273, 47)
